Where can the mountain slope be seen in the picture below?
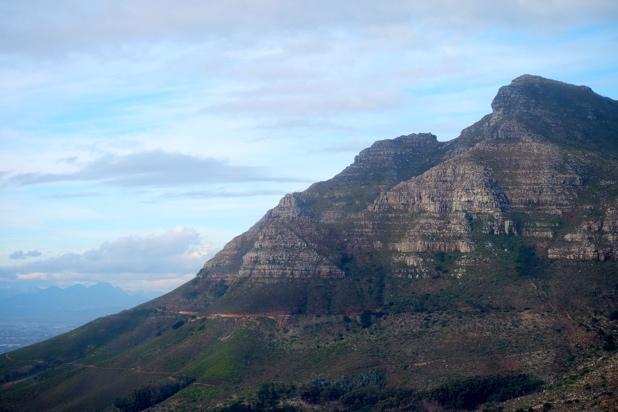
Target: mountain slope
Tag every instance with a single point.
(426, 275)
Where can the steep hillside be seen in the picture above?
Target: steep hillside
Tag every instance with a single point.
(427, 275)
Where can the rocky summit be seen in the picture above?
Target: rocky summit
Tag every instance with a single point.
(476, 273)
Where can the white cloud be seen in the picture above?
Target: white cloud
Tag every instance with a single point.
(64, 26)
(150, 261)
(20, 254)
(154, 169)
(210, 194)
(32, 276)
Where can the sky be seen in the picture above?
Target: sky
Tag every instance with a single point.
(138, 137)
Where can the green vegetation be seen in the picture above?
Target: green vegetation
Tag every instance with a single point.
(28, 370)
(368, 392)
(199, 393)
(471, 393)
(86, 339)
(369, 273)
(423, 317)
(445, 261)
(528, 263)
(225, 361)
(219, 289)
(412, 302)
(609, 343)
(365, 319)
(150, 395)
(322, 391)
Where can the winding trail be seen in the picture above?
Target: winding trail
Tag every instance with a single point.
(226, 315)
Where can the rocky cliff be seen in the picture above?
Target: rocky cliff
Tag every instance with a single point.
(542, 168)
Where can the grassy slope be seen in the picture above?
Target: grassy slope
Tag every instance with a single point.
(426, 333)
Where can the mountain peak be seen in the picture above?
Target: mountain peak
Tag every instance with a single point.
(390, 160)
(559, 112)
(540, 80)
(531, 92)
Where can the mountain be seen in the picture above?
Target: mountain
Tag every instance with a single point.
(34, 315)
(77, 303)
(475, 273)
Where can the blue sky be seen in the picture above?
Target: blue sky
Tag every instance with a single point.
(138, 137)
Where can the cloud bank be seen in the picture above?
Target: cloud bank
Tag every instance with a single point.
(155, 168)
(20, 254)
(36, 27)
(144, 262)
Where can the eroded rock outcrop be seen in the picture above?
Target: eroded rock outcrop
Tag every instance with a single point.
(595, 239)
(438, 212)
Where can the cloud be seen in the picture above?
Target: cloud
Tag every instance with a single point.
(305, 124)
(20, 254)
(353, 146)
(32, 276)
(295, 100)
(75, 195)
(68, 160)
(167, 257)
(154, 169)
(37, 27)
(209, 194)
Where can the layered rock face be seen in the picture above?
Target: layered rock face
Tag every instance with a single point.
(284, 244)
(522, 172)
(391, 161)
(438, 211)
(279, 252)
(455, 186)
(291, 240)
(377, 168)
(591, 240)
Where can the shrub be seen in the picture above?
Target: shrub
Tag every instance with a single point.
(147, 396)
(609, 344)
(471, 393)
(365, 319)
(528, 263)
(322, 390)
(219, 289)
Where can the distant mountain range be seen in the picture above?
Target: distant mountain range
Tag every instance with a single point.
(475, 274)
(30, 316)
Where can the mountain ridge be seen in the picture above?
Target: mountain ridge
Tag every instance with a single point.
(422, 272)
(386, 165)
